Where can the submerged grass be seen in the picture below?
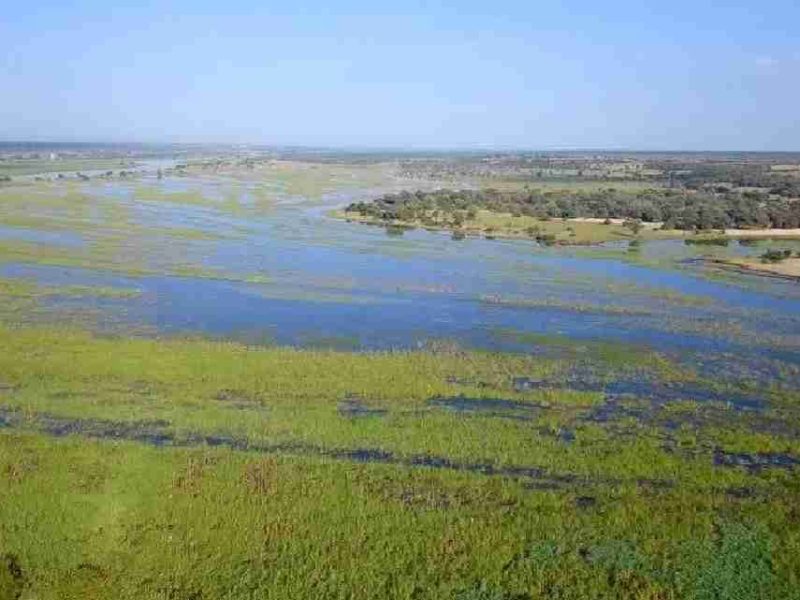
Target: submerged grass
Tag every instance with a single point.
(263, 487)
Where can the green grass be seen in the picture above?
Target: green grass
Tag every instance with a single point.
(112, 257)
(260, 489)
(295, 516)
(506, 225)
(110, 238)
(20, 167)
(23, 301)
(313, 180)
(26, 289)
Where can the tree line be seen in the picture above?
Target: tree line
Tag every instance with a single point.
(675, 209)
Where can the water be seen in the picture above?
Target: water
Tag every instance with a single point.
(37, 236)
(353, 286)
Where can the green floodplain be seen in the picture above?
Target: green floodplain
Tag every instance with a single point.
(147, 455)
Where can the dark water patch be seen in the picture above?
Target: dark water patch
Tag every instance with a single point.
(542, 486)
(565, 436)
(755, 462)
(656, 392)
(524, 384)
(585, 502)
(746, 371)
(662, 393)
(614, 409)
(213, 441)
(741, 493)
(149, 432)
(352, 407)
(562, 434)
(492, 407)
(784, 424)
(453, 380)
(366, 455)
(154, 433)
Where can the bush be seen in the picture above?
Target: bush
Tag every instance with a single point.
(773, 256)
(546, 239)
(708, 241)
(635, 225)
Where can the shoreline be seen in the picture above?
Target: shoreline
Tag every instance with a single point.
(782, 270)
(649, 231)
(481, 232)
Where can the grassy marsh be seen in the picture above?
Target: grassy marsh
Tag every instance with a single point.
(261, 485)
(147, 464)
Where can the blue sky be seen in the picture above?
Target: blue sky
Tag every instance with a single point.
(523, 74)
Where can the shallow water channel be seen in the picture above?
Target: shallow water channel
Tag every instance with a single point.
(327, 282)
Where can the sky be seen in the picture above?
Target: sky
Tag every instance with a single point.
(522, 74)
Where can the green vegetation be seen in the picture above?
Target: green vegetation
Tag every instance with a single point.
(773, 255)
(491, 224)
(92, 231)
(685, 211)
(307, 179)
(707, 241)
(19, 167)
(189, 469)
(135, 464)
(23, 301)
(718, 173)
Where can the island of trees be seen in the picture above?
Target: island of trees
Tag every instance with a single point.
(674, 209)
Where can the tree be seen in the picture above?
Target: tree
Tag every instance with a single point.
(635, 225)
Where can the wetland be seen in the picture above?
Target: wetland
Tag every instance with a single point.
(213, 384)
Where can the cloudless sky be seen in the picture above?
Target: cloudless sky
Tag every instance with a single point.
(473, 74)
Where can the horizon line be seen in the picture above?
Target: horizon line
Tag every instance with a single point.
(409, 148)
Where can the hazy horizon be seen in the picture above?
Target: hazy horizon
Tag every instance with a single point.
(572, 77)
(409, 148)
